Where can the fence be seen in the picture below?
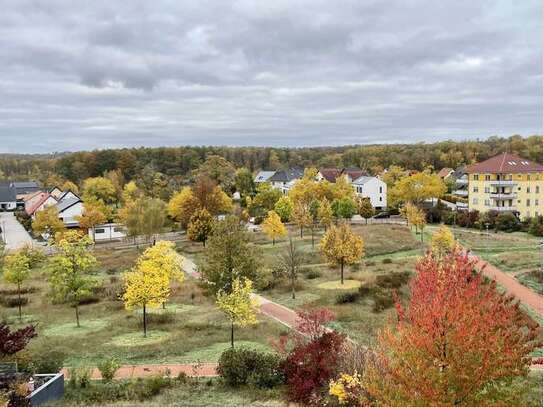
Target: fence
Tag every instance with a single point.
(51, 390)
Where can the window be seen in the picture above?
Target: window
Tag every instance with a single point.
(536, 202)
(98, 231)
(475, 201)
(528, 177)
(528, 189)
(527, 202)
(117, 229)
(476, 177)
(487, 177)
(487, 202)
(537, 189)
(487, 190)
(475, 189)
(380, 199)
(380, 190)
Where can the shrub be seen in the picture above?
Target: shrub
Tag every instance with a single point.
(161, 318)
(13, 291)
(89, 299)
(370, 263)
(46, 361)
(312, 274)
(108, 368)
(467, 219)
(347, 298)
(507, 222)
(382, 300)
(309, 367)
(364, 290)
(535, 226)
(392, 280)
(240, 366)
(11, 302)
(387, 261)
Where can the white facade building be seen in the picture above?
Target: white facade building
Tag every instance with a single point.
(107, 231)
(372, 188)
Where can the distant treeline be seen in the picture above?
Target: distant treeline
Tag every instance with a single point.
(179, 162)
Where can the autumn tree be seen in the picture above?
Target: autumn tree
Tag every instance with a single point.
(16, 270)
(273, 227)
(12, 342)
(344, 208)
(416, 217)
(443, 241)
(229, 255)
(47, 222)
(244, 182)
(459, 341)
(130, 193)
(99, 188)
(290, 261)
(365, 209)
(200, 226)
(91, 217)
(302, 217)
(265, 199)
(220, 170)
(283, 207)
(145, 216)
(237, 305)
(70, 186)
(418, 187)
(341, 246)
(325, 214)
(69, 269)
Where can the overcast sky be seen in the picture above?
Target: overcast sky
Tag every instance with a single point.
(92, 74)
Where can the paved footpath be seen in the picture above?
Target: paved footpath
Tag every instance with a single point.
(134, 371)
(13, 232)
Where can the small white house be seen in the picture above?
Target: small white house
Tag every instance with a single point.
(372, 188)
(39, 202)
(69, 209)
(107, 231)
(263, 176)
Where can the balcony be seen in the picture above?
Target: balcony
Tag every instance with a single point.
(502, 208)
(461, 192)
(502, 183)
(503, 196)
(461, 181)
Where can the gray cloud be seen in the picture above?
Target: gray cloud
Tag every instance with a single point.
(84, 75)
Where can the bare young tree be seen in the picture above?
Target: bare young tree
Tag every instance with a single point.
(289, 262)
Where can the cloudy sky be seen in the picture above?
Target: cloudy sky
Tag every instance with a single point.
(91, 74)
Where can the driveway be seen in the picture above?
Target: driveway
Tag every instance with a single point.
(13, 232)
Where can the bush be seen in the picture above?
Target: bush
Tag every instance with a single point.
(364, 290)
(11, 302)
(240, 366)
(347, 298)
(387, 261)
(13, 291)
(89, 299)
(467, 219)
(392, 280)
(382, 300)
(108, 368)
(507, 222)
(312, 274)
(46, 361)
(535, 227)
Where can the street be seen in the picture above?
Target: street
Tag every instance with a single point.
(13, 233)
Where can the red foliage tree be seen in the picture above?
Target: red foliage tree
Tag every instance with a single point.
(459, 341)
(312, 360)
(12, 342)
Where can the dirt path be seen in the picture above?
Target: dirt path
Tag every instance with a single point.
(135, 371)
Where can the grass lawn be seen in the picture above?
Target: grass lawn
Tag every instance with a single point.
(191, 328)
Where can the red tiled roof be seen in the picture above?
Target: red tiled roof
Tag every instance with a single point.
(505, 163)
(444, 172)
(330, 174)
(33, 208)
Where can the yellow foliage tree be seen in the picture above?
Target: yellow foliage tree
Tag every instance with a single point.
(418, 187)
(92, 216)
(238, 305)
(325, 213)
(99, 188)
(273, 227)
(443, 241)
(148, 283)
(341, 246)
(130, 193)
(16, 271)
(70, 186)
(47, 222)
(301, 215)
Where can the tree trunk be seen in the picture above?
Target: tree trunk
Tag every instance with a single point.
(273, 240)
(293, 289)
(19, 295)
(312, 237)
(77, 314)
(204, 242)
(301, 232)
(366, 220)
(232, 334)
(144, 321)
(342, 271)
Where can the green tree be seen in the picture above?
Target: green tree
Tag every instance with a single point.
(99, 188)
(200, 226)
(266, 197)
(229, 255)
(344, 208)
(69, 269)
(219, 170)
(237, 305)
(341, 246)
(365, 208)
(284, 208)
(244, 182)
(16, 271)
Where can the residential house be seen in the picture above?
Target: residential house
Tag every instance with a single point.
(107, 231)
(56, 192)
(445, 173)
(332, 174)
(263, 176)
(25, 188)
(8, 198)
(69, 207)
(285, 179)
(372, 188)
(506, 183)
(39, 202)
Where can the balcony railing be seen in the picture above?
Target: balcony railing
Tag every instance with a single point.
(503, 196)
(502, 208)
(502, 182)
(461, 192)
(461, 182)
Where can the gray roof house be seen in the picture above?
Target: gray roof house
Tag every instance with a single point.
(8, 198)
(263, 176)
(25, 187)
(287, 175)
